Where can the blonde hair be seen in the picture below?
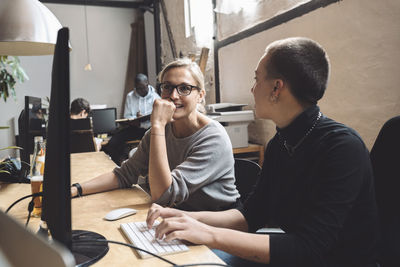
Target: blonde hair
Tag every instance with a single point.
(194, 70)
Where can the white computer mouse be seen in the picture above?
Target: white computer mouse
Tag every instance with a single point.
(119, 213)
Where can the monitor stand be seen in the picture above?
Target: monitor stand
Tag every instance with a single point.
(85, 250)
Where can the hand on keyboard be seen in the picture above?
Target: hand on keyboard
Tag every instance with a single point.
(178, 224)
(140, 236)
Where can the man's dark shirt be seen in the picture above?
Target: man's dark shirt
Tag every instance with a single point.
(322, 196)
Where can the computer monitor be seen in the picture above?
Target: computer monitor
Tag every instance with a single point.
(104, 120)
(56, 208)
(29, 126)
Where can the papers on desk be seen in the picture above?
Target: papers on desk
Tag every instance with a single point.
(139, 119)
(223, 107)
(98, 106)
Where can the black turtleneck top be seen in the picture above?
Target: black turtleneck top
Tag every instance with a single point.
(321, 194)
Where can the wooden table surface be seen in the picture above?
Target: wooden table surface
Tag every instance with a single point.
(88, 213)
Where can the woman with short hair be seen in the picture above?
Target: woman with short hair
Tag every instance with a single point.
(316, 182)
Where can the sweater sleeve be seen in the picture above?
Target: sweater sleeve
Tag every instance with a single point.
(135, 166)
(209, 161)
(340, 177)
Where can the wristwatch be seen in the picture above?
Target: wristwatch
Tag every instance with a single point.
(79, 188)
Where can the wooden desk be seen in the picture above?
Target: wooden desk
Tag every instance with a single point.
(88, 213)
(251, 148)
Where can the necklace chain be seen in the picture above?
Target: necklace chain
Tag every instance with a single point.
(291, 149)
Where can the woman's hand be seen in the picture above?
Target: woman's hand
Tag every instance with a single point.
(74, 191)
(162, 113)
(157, 211)
(177, 224)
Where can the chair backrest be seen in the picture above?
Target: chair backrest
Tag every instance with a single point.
(385, 159)
(246, 174)
(82, 141)
(82, 138)
(81, 124)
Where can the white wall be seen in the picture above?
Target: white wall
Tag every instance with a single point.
(362, 40)
(236, 16)
(109, 35)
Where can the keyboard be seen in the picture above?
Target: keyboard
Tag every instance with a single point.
(140, 236)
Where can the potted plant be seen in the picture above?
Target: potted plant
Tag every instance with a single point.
(10, 73)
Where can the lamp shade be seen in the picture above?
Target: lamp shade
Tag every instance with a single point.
(27, 28)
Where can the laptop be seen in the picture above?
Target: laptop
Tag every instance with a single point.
(20, 247)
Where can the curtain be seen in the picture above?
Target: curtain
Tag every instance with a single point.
(137, 59)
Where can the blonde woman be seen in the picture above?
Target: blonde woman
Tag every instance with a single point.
(186, 155)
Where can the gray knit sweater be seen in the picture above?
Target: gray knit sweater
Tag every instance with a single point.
(202, 169)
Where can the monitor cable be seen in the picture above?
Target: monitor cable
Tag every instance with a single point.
(30, 205)
(40, 194)
(202, 264)
(30, 209)
(155, 255)
(126, 244)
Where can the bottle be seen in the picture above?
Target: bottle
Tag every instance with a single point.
(36, 173)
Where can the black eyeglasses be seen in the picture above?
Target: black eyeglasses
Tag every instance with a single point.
(182, 89)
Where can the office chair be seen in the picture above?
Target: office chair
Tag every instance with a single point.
(80, 124)
(82, 138)
(246, 174)
(385, 159)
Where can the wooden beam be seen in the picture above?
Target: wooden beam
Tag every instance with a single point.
(203, 59)
(170, 36)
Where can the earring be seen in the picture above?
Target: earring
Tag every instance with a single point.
(274, 98)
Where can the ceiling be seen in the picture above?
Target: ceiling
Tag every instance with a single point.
(108, 3)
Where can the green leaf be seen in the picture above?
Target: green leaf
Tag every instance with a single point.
(10, 73)
(11, 147)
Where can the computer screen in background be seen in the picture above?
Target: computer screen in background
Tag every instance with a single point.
(31, 123)
(56, 210)
(104, 120)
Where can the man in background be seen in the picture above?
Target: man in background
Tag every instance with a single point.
(80, 109)
(139, 102)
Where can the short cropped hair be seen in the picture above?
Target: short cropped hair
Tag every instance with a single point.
(193, 68)
(140, 77)
(78, 105)
(303, 64)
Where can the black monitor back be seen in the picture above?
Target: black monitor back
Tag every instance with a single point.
(56, 208)
(104, 120)
(57, 181)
